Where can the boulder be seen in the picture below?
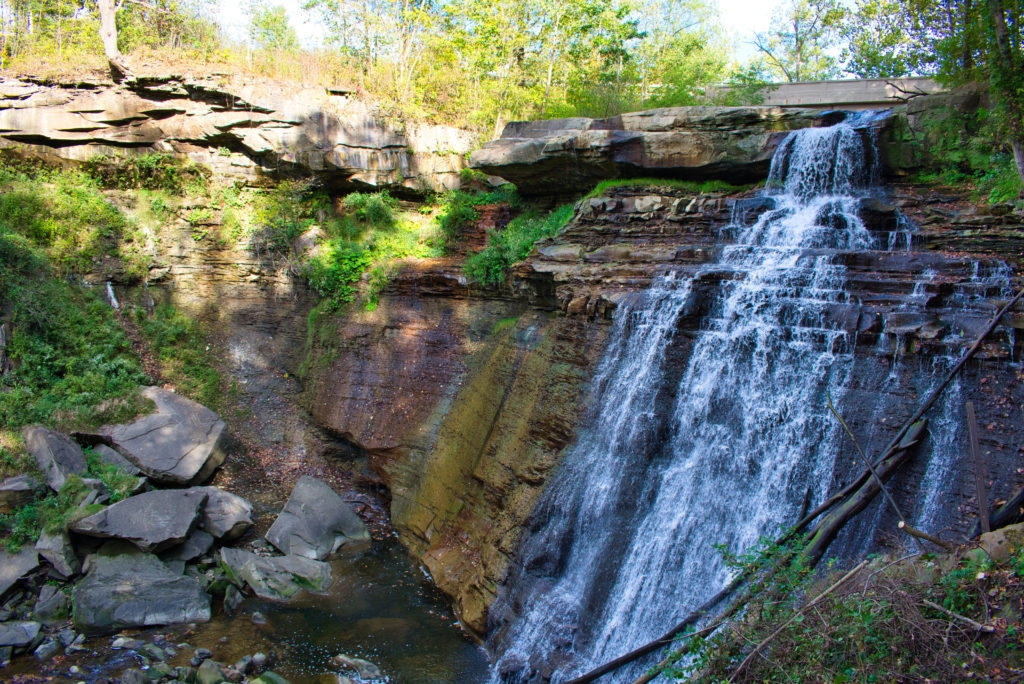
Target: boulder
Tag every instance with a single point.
(111, 457)
(18, 633)
(563, 156)
(182, 443)
(198, 543)
(1003, 543)
(365, 668)
(125, 587)
(277, 578)
(152, 521)
(14, 566)
(55, 454)
(226, 516)
(52, 604)
(315, 522)
(15, 492)
(60, 553)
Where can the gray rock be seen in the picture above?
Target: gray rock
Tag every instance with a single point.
(153, 521)
(277, 578)
(111, 457)
(232, 599)
(259, 661)
(14, 566)
(17, 491)
(210, 673)
(46, 650)
(55, 454)
(315, 522)
(52, 604)
(196, 544)
(133, 676)
(153, 652)
(126, 644)
(365, 668)
(269, 678)
(226, 516)
(127, 588)
(5, 655)
(18, 633)
(60, 553)
(181, 443)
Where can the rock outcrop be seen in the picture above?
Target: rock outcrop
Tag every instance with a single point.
(566, 156)
(245, 129)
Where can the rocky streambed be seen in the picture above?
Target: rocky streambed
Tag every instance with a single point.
(172, 583)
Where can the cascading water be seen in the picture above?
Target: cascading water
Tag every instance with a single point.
(720, 450)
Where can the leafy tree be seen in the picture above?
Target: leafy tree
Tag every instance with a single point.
(269, 27)
(803, 37)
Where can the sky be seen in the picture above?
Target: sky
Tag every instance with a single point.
(742, 18)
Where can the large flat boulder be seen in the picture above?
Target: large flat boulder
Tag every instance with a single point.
(14, 566)
(125, 588)
(275, 578)
(57, 455)
(152, 521)
(18, 633)
(182, 443)
(315, 522)
(563, 156)
(226, 516)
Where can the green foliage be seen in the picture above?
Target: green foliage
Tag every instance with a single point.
(504, 324)
(513, 244)
(377, 208)
(701, 187)
(800, 45)
(283, 213)
(153, 171)
(50, 513)
(179, 343)
(269, 28)
(64, 213)
(119, 484)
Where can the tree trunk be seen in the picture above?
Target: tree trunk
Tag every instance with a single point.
(108, 35)
(1005, 82)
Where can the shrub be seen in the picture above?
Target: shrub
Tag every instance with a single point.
(513, 244)
(154, 171)
(179, 344)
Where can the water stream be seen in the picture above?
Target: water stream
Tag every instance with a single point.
(722, 448)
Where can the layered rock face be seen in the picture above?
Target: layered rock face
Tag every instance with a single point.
(565, 156)
(237, 128)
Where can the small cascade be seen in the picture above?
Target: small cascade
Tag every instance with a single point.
(713, 437)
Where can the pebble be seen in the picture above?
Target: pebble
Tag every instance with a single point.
(259, 661)
(125, 643)
(203, 653)
(259, 618)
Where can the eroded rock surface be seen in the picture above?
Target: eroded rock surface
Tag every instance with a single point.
(275, 578)
(226, 516)
(239, 128)
(57, 455)
(562, 156)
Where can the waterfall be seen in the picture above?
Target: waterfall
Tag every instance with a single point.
(720, 449)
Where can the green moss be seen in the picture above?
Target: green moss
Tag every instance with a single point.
(705, 187)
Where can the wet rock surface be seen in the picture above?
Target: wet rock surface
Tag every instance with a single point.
(276, 578)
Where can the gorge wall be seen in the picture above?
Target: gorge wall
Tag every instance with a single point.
(458, 400)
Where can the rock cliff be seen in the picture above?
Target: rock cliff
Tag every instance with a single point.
(245, 129)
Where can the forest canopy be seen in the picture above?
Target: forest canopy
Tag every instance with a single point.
(480, 63)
